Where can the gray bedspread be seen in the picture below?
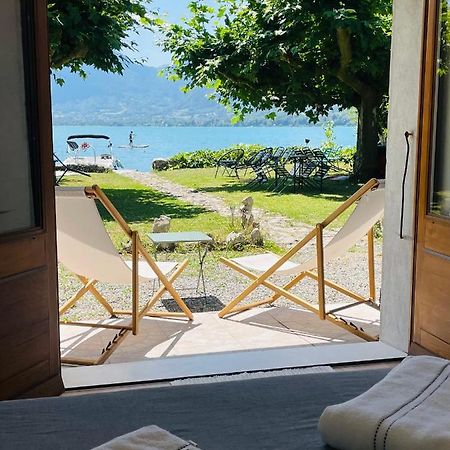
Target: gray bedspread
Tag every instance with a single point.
(270, 413)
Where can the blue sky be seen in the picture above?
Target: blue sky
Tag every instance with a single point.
(174, 10)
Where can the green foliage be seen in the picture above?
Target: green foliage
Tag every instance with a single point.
(347, 154)
(445, 39)
(329, 146)
(296, 56)
(282, 54)
(332, 149)
(207, 158)
(193, 160)
(93, 33)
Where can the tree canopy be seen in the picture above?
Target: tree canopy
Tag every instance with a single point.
(290, 55)
(93, 32)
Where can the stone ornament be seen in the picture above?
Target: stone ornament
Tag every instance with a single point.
(162, 225)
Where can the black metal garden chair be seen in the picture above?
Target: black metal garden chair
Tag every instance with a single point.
(246, 163)
(259, 164)
(61, 167)
(324, 165)
(277, 163)
(276, 158)
(229, 162)
(312, 168)
(299, 163)
(306, 166)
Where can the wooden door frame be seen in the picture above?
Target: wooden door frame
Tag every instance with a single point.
(36, 240)
(44, 141)
(425, 136)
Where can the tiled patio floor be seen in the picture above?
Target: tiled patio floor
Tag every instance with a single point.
(256, 329)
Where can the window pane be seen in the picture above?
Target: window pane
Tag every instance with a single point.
(16, 193)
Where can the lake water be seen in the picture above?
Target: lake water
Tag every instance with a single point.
(167, 141)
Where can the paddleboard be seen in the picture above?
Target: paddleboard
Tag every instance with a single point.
(134, 146)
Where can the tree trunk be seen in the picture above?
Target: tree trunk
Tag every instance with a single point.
(367, 161)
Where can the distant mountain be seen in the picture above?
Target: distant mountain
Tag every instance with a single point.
(142, 97)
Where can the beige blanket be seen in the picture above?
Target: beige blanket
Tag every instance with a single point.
(409, 409)
(148, 438)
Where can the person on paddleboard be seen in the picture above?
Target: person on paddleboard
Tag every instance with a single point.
(131, 138)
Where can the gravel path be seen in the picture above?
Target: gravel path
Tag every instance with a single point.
(223, 284)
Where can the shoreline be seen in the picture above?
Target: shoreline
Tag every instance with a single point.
(306, 125)
(165, 142)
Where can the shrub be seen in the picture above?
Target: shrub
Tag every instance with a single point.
(86, 168)
(333, 150)
(207, 158)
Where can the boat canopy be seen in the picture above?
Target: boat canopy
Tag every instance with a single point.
(88, 136)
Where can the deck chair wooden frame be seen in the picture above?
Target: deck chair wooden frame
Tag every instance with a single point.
(319, 276)
(136, 313)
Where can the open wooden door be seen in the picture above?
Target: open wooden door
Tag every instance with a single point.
(29, 339)
(431, 318)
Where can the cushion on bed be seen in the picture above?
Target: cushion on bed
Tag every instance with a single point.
(148, 438)
(409, 409)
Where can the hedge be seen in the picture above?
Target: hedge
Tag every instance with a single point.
(207, 158)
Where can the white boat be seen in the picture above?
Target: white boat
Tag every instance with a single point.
(83, 150)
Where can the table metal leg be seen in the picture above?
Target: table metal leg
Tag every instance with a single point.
(156, 281)
(201, 258)
(201, 273)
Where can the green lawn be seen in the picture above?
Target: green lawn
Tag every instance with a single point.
(140, 205)
(310, 206)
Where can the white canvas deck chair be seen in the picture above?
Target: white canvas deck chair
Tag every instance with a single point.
(85, 248)
(360, 223)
